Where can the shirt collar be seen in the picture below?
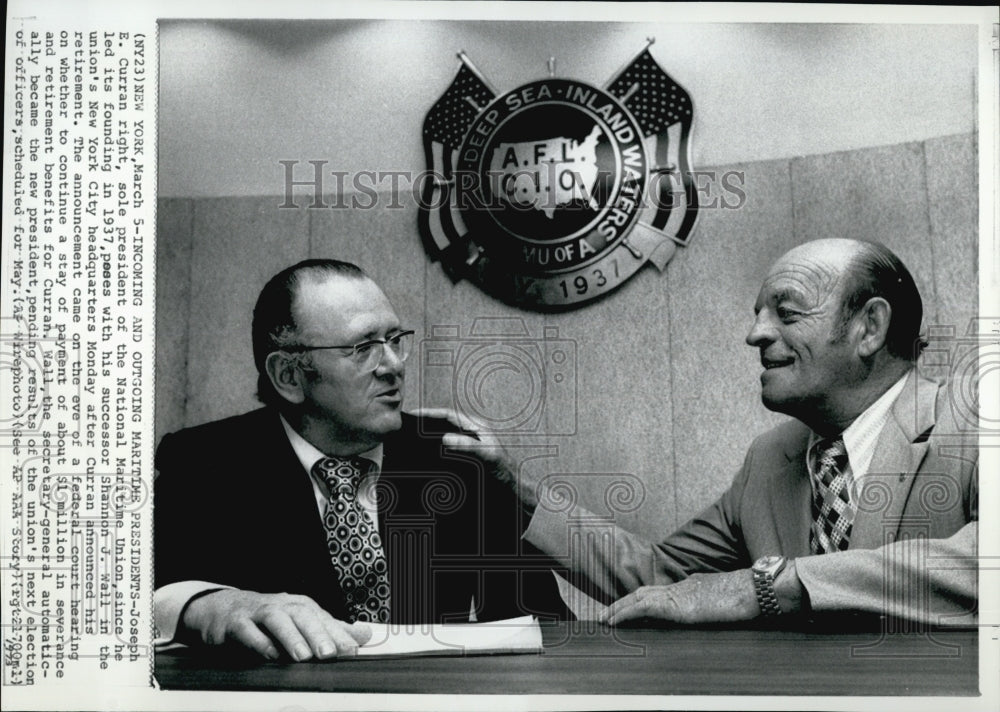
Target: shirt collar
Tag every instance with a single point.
(308, 454)
(861, 436)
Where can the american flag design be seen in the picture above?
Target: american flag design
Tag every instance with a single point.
(449, 119)
(664, 110)
(445, 126)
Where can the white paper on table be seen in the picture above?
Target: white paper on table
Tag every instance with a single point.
(514, 635)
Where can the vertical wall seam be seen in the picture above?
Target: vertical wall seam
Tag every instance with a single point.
(932, 237)
(309, 235)
(427, 264)
(675, 470)
(192, 204)
(791, 198)
(977, 267)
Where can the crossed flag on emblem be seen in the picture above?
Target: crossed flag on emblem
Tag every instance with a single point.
(659, 104)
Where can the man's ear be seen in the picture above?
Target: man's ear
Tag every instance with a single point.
(286, 376)
(873, 320)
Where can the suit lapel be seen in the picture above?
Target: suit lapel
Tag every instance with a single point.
(791, 498)
(288, 490)
(899, 452)
(283, 478)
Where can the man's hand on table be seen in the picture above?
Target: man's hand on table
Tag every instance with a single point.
(700, 598)
(706, 598)
(271, 623)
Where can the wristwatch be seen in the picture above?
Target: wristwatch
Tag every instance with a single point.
(765, 570)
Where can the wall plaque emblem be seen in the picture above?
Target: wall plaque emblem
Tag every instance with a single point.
(556, 192)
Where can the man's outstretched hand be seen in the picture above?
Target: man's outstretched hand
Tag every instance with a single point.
(272, 623)
(487, 448)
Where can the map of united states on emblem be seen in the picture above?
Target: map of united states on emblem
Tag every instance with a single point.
(548, 174)
(553, 193)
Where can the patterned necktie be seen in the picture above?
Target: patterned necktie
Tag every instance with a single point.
(833, 512)
(353, 540)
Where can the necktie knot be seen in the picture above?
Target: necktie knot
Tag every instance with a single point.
(342, 476)
(832, 456)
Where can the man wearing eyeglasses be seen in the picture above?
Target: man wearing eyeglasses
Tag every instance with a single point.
(286, 529)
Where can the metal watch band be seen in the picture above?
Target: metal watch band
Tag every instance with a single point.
(763, 584)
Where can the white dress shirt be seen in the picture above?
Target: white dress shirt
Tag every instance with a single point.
(309, 455)
(860, 438)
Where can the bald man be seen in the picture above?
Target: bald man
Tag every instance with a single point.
(866, 500)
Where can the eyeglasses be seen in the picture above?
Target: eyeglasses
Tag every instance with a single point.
(368, 354)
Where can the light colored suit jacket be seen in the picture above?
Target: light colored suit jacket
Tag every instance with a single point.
(913, 543)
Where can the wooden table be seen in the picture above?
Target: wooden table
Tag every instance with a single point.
(582, 658)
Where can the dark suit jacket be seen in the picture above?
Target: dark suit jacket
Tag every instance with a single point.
(234, 506)
(913, 543)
